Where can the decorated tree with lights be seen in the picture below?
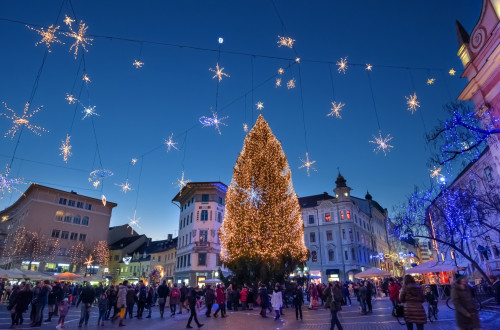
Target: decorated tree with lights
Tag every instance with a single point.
(262, 234)
(100, 253)
(78, 254)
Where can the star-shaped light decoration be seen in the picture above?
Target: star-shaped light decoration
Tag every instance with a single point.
(181, 183)
(213, 121)
(65, 149)
(290, 84)
(89, 111)
(80, 39)
(89, 261)
(452, 72)
(285, 41)
(125, 187)
(278, 82)
(70, 98)
(86, 78)
(412, 103)
(126, 260)
(260, 105)
(133, 161)
(281, 71)
(307, 164)
(48, 36)
(218, 72)
(8, 185)
(431, 81)
(68, 20)
(245, 127)
(436, 173)
(170, 143)
(342, 65)
(335, 110)
(382, 143)
(134, 222)
(297, 60)
(138, 64)
(253, 195)
(96, 183)
(24, 120)
(369, 67)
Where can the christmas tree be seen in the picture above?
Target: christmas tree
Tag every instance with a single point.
(262, 234)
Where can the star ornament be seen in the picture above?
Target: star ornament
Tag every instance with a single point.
(86, 78)
(281, 71)
(70, 98)
(436, 173)
(431, 81)
(134, 222)
(285, 41)
(65, 149)
(412, 103)
(452, 72)
(260, 105)
(245, 127)
(290, 84)
(89, 261)
(125, 187)
(278, 82)
(138, 64)
(307, 164)
(20, 121)
(382, 143)
(68, 21)
(48, 36)
(369, 67)
(213, 121)
(170, 143)
(89, 112)
(342, 65)
(181, 183)
(335, 110)
(79, 36)
(133, 161)
(8, 185)
(218, 72)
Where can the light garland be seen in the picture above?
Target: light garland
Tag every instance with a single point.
(70, 98)
(65, 149)
(342, 65)
(285, 41)
(290, 84)
(24, 120)
(68, 21)
(335, 110)
(382, 143)
(297, 60)
(170, 143)
(213, 121)
(89, 111)
(79, 36)
(89, 261)
(138, 64)
(218, 72)
(412, 103)
(307, 164)
(133, 161)
(260, 105)
(48, 36)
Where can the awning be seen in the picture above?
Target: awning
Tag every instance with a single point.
(431, 266)
(373, 272)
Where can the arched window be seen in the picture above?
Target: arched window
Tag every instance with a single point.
(85, 221)
(77, 219)
(314, 256)
(331, 255)
(59, 215)
(68, 217)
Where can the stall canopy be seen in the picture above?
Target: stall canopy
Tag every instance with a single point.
(68, 277)
(210, 281)
(431, 266)
(373, 272)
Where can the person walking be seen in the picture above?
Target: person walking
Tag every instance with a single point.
(394, 288)
(63, 311)
(21, 304)
(466, 313)
(86, 297)
(362, 294)
(370, 288)
(221, 301)
(163, 292)
(336, 306)
(345, 294)
(298, 301)
(11, 306)
(193, 295)
(412, 297)
(59, 294)
(122, 303)
(52, 301)
(150, 301)
(42, 301)
(143, 295)
(175, 296)
(102, 305)
(277, 300)
(209, 299)
(264, 300)
(183, 300)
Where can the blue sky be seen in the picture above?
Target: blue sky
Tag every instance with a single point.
(138, 108)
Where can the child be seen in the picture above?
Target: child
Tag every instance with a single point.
(102, 304)
(63, 311)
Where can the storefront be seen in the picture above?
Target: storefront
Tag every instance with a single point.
(333, 275)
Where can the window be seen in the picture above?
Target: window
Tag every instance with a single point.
(62, 201)
(348, 214)
(159, 258)
(204, 215)
(311, 219)
(202, 259)
(343, 233)
(329, 236)
(219, 200)
(217, 260)
(203, 235)
(351, 235)
(73, 236)
(358, 235)
(341, 215)
(88, 206)
(487, 174)
(189, 259)
(331, 255)
(327, 217)
(314, 256)
(116, 257)
(312, 237)
(353, 254)
(83, 237)
(59, 215)
(79, 205)
(204, 198)
(219, 217)
(77, 219)
(71, 203)
(67, 217)
(65, 235)
(85, 221)
(55, 233)
(191, 218)
(346, 256)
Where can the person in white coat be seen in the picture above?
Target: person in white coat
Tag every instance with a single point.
(276, 301)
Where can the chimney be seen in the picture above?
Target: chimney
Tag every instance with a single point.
(169, 237)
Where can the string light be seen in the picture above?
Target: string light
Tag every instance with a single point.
(101, 253)
(170, 143)
(213, 121)
(382, 143)
(125, 187)
(24, 120)
(307, 164)
(281, 71)
(369, 67)
(80, 39)
(436, 173)
(452, 72)
(260, 105)
(285, 41)
(412, 103)
(335, 110)
(65, 149)
(8, 185)
(181, 183)
(138, 64)
(89, 111)
(48, 36)
(278, 82)
(70, 98)
(431, 81)
(218, 72)
(86, 78)
(290, 84)
(245, 127)
(342, 65)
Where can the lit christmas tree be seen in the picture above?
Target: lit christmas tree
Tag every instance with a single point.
(262, 234)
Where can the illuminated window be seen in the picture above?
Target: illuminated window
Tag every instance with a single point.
(314, 256)
(442, 256)
(327, 217)
(203, 235)
(452, 254)
(204, 215)
(348, 215)
(59, 215)
(341, 215)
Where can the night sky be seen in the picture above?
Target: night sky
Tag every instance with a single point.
(139, 108)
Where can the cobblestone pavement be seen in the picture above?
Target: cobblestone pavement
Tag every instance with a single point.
(312, 319)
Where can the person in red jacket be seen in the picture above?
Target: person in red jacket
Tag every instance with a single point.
(221, 301)
(394, 289)
(243, 297)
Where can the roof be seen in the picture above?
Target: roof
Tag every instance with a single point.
(192, 185)
(140, 252)
(160, 246)
(462, 35)
(312, 201)
(364, 205)
(124, 242)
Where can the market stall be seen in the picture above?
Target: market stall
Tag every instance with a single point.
(435, 273)
(373, 272)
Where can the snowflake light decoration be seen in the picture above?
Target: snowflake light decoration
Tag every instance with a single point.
(260, 105)
(133, 161)
(70, 98)
(125, 187)
(181, 183)
(281, 71)
(285, 41)
(290, 84)
(342, 65)
(8, 185)
(80, 39)
(307, 164)
(65, 149)
(368, 67)
(89, 111)
(170, 143)
(218, 72)
(412, 103)
(138, 64)
(134, 222)
(431, 81)
(86, 78)
(253, 195)
(278, 82)
(24, 120)
(436, 173)
(48, 36)
(452, 72)
(245, 127)
(335, 110)
(382, 143)
(213, 121)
